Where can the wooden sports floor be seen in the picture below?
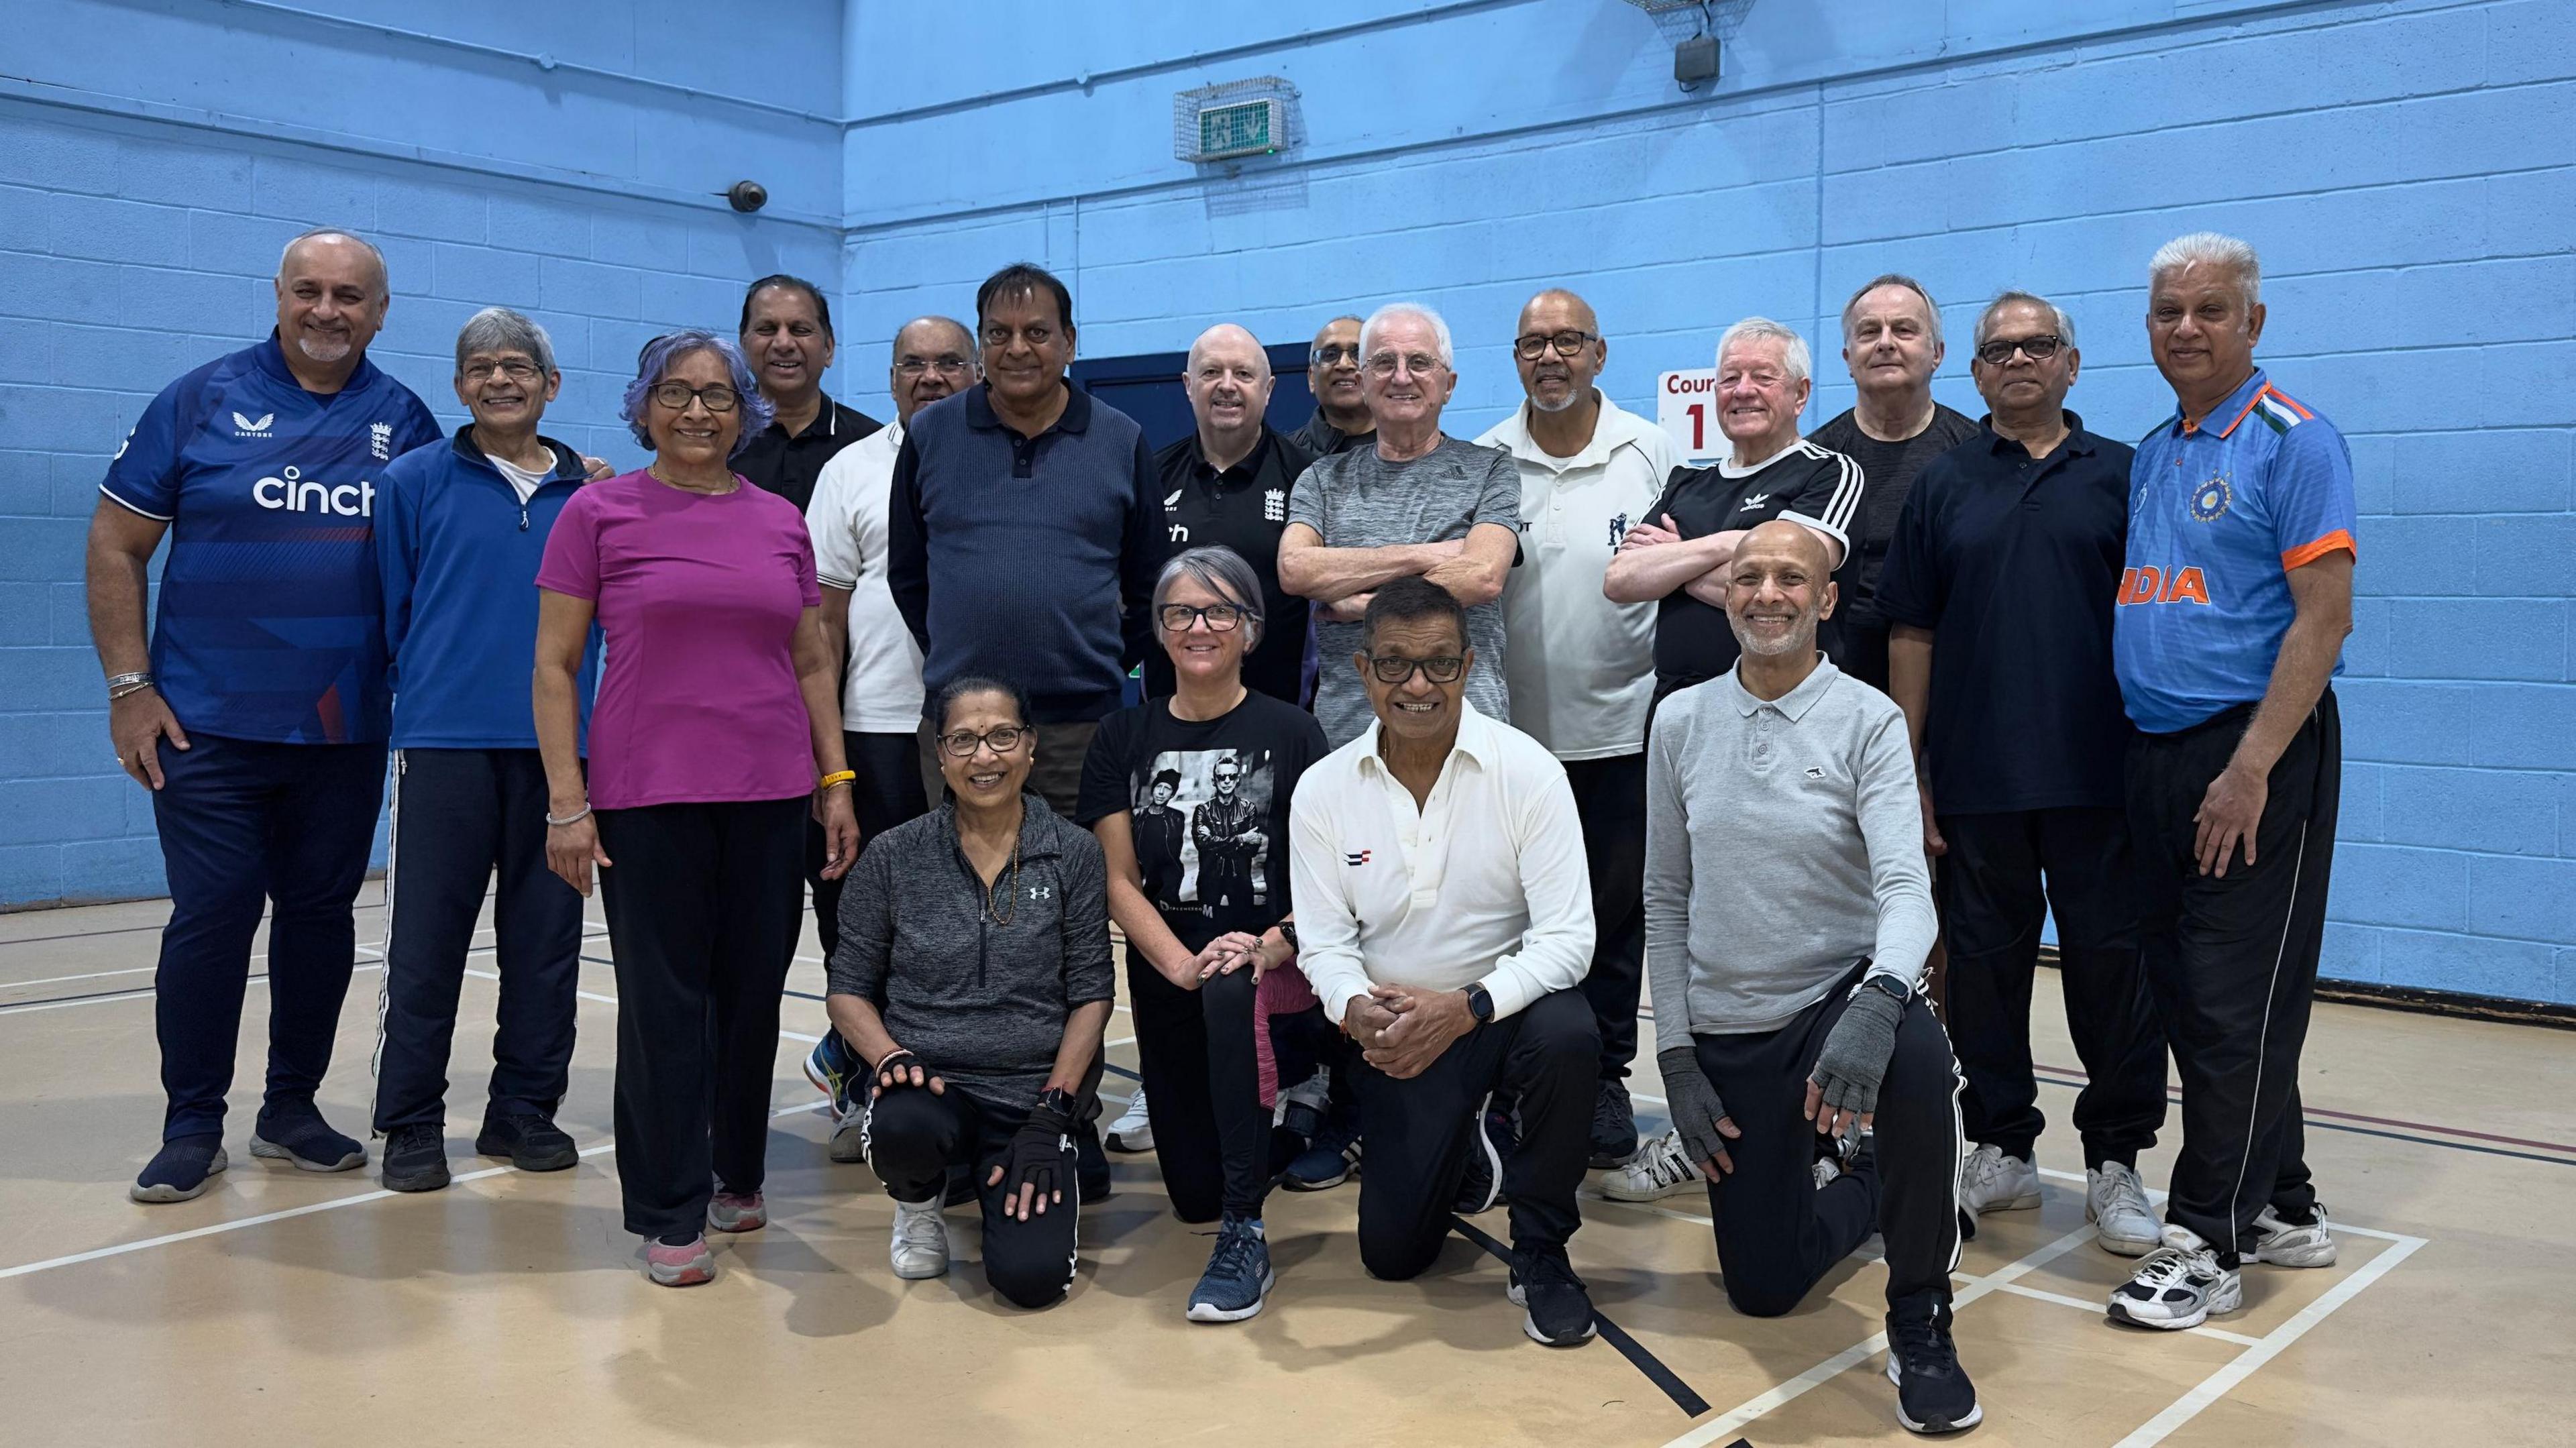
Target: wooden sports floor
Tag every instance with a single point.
(289, 1308)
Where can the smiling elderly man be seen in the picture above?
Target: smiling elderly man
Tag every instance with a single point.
(1678, 557)
(786, 335)
(1418, 503)
(1229, 483)
(257, 716)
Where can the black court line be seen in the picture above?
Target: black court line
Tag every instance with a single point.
(1691, 1403)
(2315, 1124)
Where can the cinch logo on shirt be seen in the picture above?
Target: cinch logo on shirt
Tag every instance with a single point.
(252, 427)
(2145, 584)
(1355, 857)
(295, 493)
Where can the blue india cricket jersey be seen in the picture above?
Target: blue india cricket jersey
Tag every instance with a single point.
(271, 624)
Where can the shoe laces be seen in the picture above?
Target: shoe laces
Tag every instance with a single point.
(1984, 1165)
(1664, 1163)
(2120, 1187)
(419, 1133)
(1923, 1346)
(919, 1229)
(1235, 1244)
(2175, 1267)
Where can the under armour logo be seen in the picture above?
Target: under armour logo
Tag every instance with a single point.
(1041, 892)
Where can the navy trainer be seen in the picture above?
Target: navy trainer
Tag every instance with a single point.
(306, 1140)
(1238, 1277)
(181, 1170)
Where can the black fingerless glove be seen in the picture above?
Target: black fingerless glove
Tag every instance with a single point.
(1040, 1155)
(892, 1060)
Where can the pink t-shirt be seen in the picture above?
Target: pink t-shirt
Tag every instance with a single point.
(698, 597)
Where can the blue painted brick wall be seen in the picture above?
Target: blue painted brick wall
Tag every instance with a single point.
(2408, 169)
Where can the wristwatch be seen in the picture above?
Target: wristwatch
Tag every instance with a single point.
(1889, 984)
(1288, 932)
(1480, 1003)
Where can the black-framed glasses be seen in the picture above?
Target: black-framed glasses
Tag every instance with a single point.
(514, 368)
(1416, 363)
(1332, 353)
(962, 744)
(1392, 670)
(1530, 346)
(944, 366)
(2038, 349)
(1222, 617)
(677, 396)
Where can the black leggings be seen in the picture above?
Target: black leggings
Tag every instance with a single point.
(886, 793)
(703, 905)
(1195, 1053)
(914, 1136)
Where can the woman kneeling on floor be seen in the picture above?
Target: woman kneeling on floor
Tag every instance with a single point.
(984, 1028)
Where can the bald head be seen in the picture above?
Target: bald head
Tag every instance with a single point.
(1778, 587)
(933, 357)
(1559, 352)
(1795, 540)
(1225, 342)
(1557, 304)
(331, 299)
(1229, 383)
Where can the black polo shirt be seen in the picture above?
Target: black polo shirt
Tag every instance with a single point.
(1321, 439)
(1246, 509)
(1693, 641)
(2013, 562)
(788, 466)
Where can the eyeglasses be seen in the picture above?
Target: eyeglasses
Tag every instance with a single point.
(514, 369)
(2038, 349)
(1391, 670)
(962, 744)
(1531, 346)
(945, 366)
(1222, 617)
(678, 395)
(1334, 352)
(1416, 363)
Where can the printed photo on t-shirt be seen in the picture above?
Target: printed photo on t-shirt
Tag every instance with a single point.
(1199, 829)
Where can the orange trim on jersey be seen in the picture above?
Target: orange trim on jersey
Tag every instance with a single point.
(2242, 412)
(2292, 403)
(2307, 553)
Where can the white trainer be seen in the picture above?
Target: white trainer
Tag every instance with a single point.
(2179, 1286)
(1990, 1181)
(2115, 1202)
(920, 1247)
(2284, 1245)
(1658, 1170)
(1133, 1130)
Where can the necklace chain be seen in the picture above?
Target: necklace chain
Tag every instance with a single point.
(1003, 918)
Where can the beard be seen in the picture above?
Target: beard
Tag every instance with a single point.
(322, 349)
(1802, 636)
(1572, 396)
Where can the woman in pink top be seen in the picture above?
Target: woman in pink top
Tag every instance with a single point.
(717, 729)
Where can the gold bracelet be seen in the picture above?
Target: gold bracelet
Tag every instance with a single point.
(838, 776)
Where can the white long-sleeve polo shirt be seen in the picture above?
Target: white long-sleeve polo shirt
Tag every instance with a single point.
(1485, 881)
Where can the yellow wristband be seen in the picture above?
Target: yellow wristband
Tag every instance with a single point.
(838, 776)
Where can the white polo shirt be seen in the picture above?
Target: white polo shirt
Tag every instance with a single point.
(1484, 882)
(1582, 671)
(881, 694)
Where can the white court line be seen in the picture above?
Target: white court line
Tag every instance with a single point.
(1729, 1424)
(2273, 1344)
(140, 992)
(333, 1205)
(85, 975)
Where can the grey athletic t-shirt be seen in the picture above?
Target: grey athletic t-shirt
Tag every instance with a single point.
(1359, 500)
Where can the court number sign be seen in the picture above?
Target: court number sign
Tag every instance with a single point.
(1686, 409)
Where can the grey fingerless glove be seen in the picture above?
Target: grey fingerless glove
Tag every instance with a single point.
(1693, 1102)
(1856, 1050)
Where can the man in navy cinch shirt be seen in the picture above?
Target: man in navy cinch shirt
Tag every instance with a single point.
(258, 714)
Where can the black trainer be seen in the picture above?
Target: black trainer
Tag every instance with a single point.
(304, 1139)
(181, 1170)
(1560, 1310)
(416, 1158)
(1614, 1126)
(1933, 1394)
(532, 1142)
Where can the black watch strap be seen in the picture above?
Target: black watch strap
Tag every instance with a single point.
(1480, 1002)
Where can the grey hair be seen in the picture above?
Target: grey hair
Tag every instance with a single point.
(1393, 310)
(1893, 279)
(1221, 571)
(384, 274)
(498, 329)
(2210, 248)
(2057, 315)
(1794, 355)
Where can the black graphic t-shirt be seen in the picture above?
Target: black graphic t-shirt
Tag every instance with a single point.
(1207, 807)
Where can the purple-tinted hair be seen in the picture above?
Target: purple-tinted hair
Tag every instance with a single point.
(657, 357)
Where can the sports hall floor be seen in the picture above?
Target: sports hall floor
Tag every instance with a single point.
(287, 1308)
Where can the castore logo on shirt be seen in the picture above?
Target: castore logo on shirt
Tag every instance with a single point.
(252, 427)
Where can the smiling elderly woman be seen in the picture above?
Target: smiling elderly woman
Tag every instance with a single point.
(718, 726)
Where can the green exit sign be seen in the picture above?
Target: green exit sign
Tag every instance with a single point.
(1246, 128)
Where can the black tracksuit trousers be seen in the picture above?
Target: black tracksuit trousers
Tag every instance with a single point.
(1992, 904)
(704, 905)
(458, 815)
(1778, 1233)
(1195, 1053)
(2232, 961)
(1419, 1131)
(914, 1136)
(1610, 802)
(886, 793)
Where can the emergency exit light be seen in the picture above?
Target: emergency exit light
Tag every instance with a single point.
(1246, 128)
(1234, 121)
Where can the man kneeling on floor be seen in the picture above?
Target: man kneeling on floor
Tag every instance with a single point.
(1787, 919)
(983, 1033)
(1445, 921)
